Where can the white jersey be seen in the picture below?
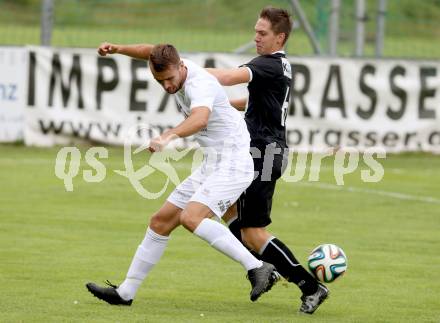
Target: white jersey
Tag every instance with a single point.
(227, 168)
(225, 123)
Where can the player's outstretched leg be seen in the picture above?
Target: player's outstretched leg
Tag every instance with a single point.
(313, 293)
(311, 302)
(147, 255)
(107, 294)
(261, 275)
(274, 251)
(262, 279)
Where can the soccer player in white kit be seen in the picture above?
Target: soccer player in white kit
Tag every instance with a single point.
(226, 171)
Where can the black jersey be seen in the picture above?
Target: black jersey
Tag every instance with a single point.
(269, 92)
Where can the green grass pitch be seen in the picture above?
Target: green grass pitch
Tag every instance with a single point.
(52, 242)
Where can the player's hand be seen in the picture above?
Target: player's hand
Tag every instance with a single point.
(107, 48)
(157, 144)
(160, 142)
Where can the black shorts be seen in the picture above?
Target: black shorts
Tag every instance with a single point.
(255, 204)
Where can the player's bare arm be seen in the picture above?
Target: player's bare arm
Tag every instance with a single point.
(239, 104)
(231, 76)
(139, 51)
(196, 121)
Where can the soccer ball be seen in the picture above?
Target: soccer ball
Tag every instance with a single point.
(327, 262)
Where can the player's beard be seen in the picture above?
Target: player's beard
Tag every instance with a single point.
(178, 87)
(174, 90)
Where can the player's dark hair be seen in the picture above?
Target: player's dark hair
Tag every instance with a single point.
(164, 55)
(280, 20)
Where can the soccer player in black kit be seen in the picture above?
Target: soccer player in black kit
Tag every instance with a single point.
(269, 78)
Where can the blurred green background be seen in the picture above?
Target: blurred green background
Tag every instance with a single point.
(412, 27)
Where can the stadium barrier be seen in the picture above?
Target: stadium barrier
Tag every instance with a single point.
(75, 94)
(13, 61)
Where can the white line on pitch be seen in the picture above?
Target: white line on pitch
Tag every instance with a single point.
(397, 195)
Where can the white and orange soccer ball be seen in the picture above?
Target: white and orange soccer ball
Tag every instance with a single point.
(327, 262)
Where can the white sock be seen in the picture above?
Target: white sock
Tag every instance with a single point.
(219, 237)
(147, 255)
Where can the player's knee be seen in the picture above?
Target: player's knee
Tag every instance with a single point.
(188, 221)
(161, 225)
(193, 214)
(156, 223)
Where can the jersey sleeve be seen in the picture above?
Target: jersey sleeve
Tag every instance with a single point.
(202, 94)
(261, 68)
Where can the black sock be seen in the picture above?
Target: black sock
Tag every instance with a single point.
(278, 254)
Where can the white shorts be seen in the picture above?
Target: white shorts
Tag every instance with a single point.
(218, 185)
